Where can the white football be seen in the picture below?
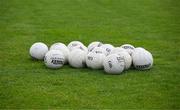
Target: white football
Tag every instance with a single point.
(54, 59)
(142, 59)
(114, 64)
(129, 48)
(38, 50)
(92, 45)
(74, 44)
(77, 58)
(117, 50)
(99, 50)
(61, 47)
(127, 59)
(108, 48)
(95, 60)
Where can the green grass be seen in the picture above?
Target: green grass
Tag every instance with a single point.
(28, 84)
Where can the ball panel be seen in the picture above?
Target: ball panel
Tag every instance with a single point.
(114, 64)
(127, 59)
(54, 59)
(108, 48)
(77, 58)
(94, 60)
(99, 50)
(74, 44)
(38, 50)
(92, 45)
(142, 59)
(129, 48)
(63, 48)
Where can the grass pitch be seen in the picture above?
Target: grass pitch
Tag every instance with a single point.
(153, 24)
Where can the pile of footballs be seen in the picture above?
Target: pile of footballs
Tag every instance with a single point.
(114, 60)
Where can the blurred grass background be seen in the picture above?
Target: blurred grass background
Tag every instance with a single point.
(27, 84)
